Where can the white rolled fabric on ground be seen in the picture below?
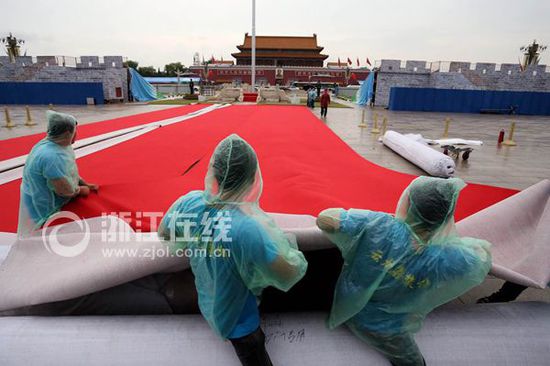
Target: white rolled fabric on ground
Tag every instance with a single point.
(433, 162)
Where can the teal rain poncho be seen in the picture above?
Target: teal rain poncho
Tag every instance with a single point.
(398, 269)
(50, 159)
(235, 249)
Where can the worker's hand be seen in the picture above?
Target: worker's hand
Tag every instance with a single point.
(329, 220)
(84, 191)
(93, 187)
(327, 224)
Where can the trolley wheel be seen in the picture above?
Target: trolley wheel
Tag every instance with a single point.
(465, 155)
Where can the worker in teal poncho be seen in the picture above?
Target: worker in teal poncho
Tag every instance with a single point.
(398, 269)
(50, 175)
(237, 250)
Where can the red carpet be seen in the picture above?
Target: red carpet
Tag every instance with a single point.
(305, 166)
(22, 145)
(250, 97)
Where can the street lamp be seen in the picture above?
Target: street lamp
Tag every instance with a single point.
(12, 46)
(531, 53)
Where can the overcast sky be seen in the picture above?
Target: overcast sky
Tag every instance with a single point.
(156, 32)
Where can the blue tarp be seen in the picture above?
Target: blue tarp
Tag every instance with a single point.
(141, 89)
(468, 101)
(46, 93)
(366, 91)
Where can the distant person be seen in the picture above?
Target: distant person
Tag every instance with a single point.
(398, 269)
(226, 218)
(318, 89)
(325, 101)
(50, 175)
(336, 89)
(191, 87)
(311, 95)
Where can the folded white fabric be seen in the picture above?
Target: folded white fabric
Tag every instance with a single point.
(519, 230)
(107, 253)
(455, 142)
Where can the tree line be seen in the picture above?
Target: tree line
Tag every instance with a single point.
(169, 70)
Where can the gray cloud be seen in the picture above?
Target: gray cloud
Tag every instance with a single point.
(155, 33)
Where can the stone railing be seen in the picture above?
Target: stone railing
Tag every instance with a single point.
(273, 95)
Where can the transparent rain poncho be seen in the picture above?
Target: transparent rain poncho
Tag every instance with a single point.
(398, 269)
(50, 159)
(235, 249)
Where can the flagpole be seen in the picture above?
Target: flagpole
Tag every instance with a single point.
(253, 83)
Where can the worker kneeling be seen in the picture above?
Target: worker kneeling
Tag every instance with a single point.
(50, 177)
(398, 269)
(236, 250)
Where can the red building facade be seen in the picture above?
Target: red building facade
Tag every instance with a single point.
(281, 61)
(286, 76)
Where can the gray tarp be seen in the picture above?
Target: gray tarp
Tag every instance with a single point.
(484, 334)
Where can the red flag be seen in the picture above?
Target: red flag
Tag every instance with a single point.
(358, 62)
(339, 64)
(368, 62)
(349, 61)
